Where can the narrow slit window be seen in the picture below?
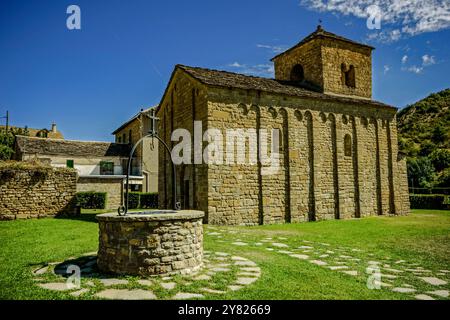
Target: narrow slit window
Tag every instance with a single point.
(297, 73)
(348, 145)
(348, 75)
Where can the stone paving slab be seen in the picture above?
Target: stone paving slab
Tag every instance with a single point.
(245, 281)
(79, 292)
(56, 286)
(434, 281)
(113, 282)
(404, 290)
(145, 282)
(300, 256)
(235, 288)
(242, 272)
(279, 245)
(168, 285)
(124, 294)
(440, 293)
(208, 290)
(318, 262)
(41, 270)
(423, 297)
(186, 296)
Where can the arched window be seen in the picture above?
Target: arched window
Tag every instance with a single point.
(348, 75)
(297, 73)
(348, 145)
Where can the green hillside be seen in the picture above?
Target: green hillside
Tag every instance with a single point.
(424, 137)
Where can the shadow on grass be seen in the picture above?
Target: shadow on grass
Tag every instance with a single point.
(86, 217)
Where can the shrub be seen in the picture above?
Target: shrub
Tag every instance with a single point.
(446, 203)
(149, 201)
(142, 200)
(91, 200)
(427, 201)
(133, 200)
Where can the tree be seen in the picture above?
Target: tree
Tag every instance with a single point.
(426, 148)
(421, 172)
(440, 159)
(6, 145)
(439, 134)
(5, 152)
(444, 179)
(7, 141)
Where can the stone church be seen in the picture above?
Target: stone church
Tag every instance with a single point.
(339, 154)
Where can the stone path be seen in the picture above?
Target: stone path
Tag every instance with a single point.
(222, 273)
(391, 274)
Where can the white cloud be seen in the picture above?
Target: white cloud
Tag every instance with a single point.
(414, 69)
(235, 64)
(398, 17)
(404, 59)
(428, 60)
(274, 49)
(386, 69)
(259, 70)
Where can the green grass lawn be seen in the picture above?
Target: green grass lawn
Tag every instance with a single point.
(421, 239)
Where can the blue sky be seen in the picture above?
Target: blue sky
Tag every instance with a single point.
(91, 80)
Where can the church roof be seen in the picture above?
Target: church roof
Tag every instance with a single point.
(33, 145)
(321, 33)
(236, 80)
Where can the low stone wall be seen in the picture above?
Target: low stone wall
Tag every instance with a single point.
(112, 186)
(151, 244)
(28, 191)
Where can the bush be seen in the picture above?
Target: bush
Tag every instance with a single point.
(428, 201)
(133, 200)
(142, 200)
(149, 201)
(91, 200)
(446, 203)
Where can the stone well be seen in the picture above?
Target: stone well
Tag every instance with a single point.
(151, 243)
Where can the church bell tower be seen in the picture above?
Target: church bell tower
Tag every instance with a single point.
(329, 63)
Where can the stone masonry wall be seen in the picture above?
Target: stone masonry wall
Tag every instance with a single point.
(151, 244)
(184, 103)
(31, 193)
(308, 55)
(316, 181)
(112, 186)
(333, 54)
(321, 60)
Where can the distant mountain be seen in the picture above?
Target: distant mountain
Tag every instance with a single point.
(424, 136)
